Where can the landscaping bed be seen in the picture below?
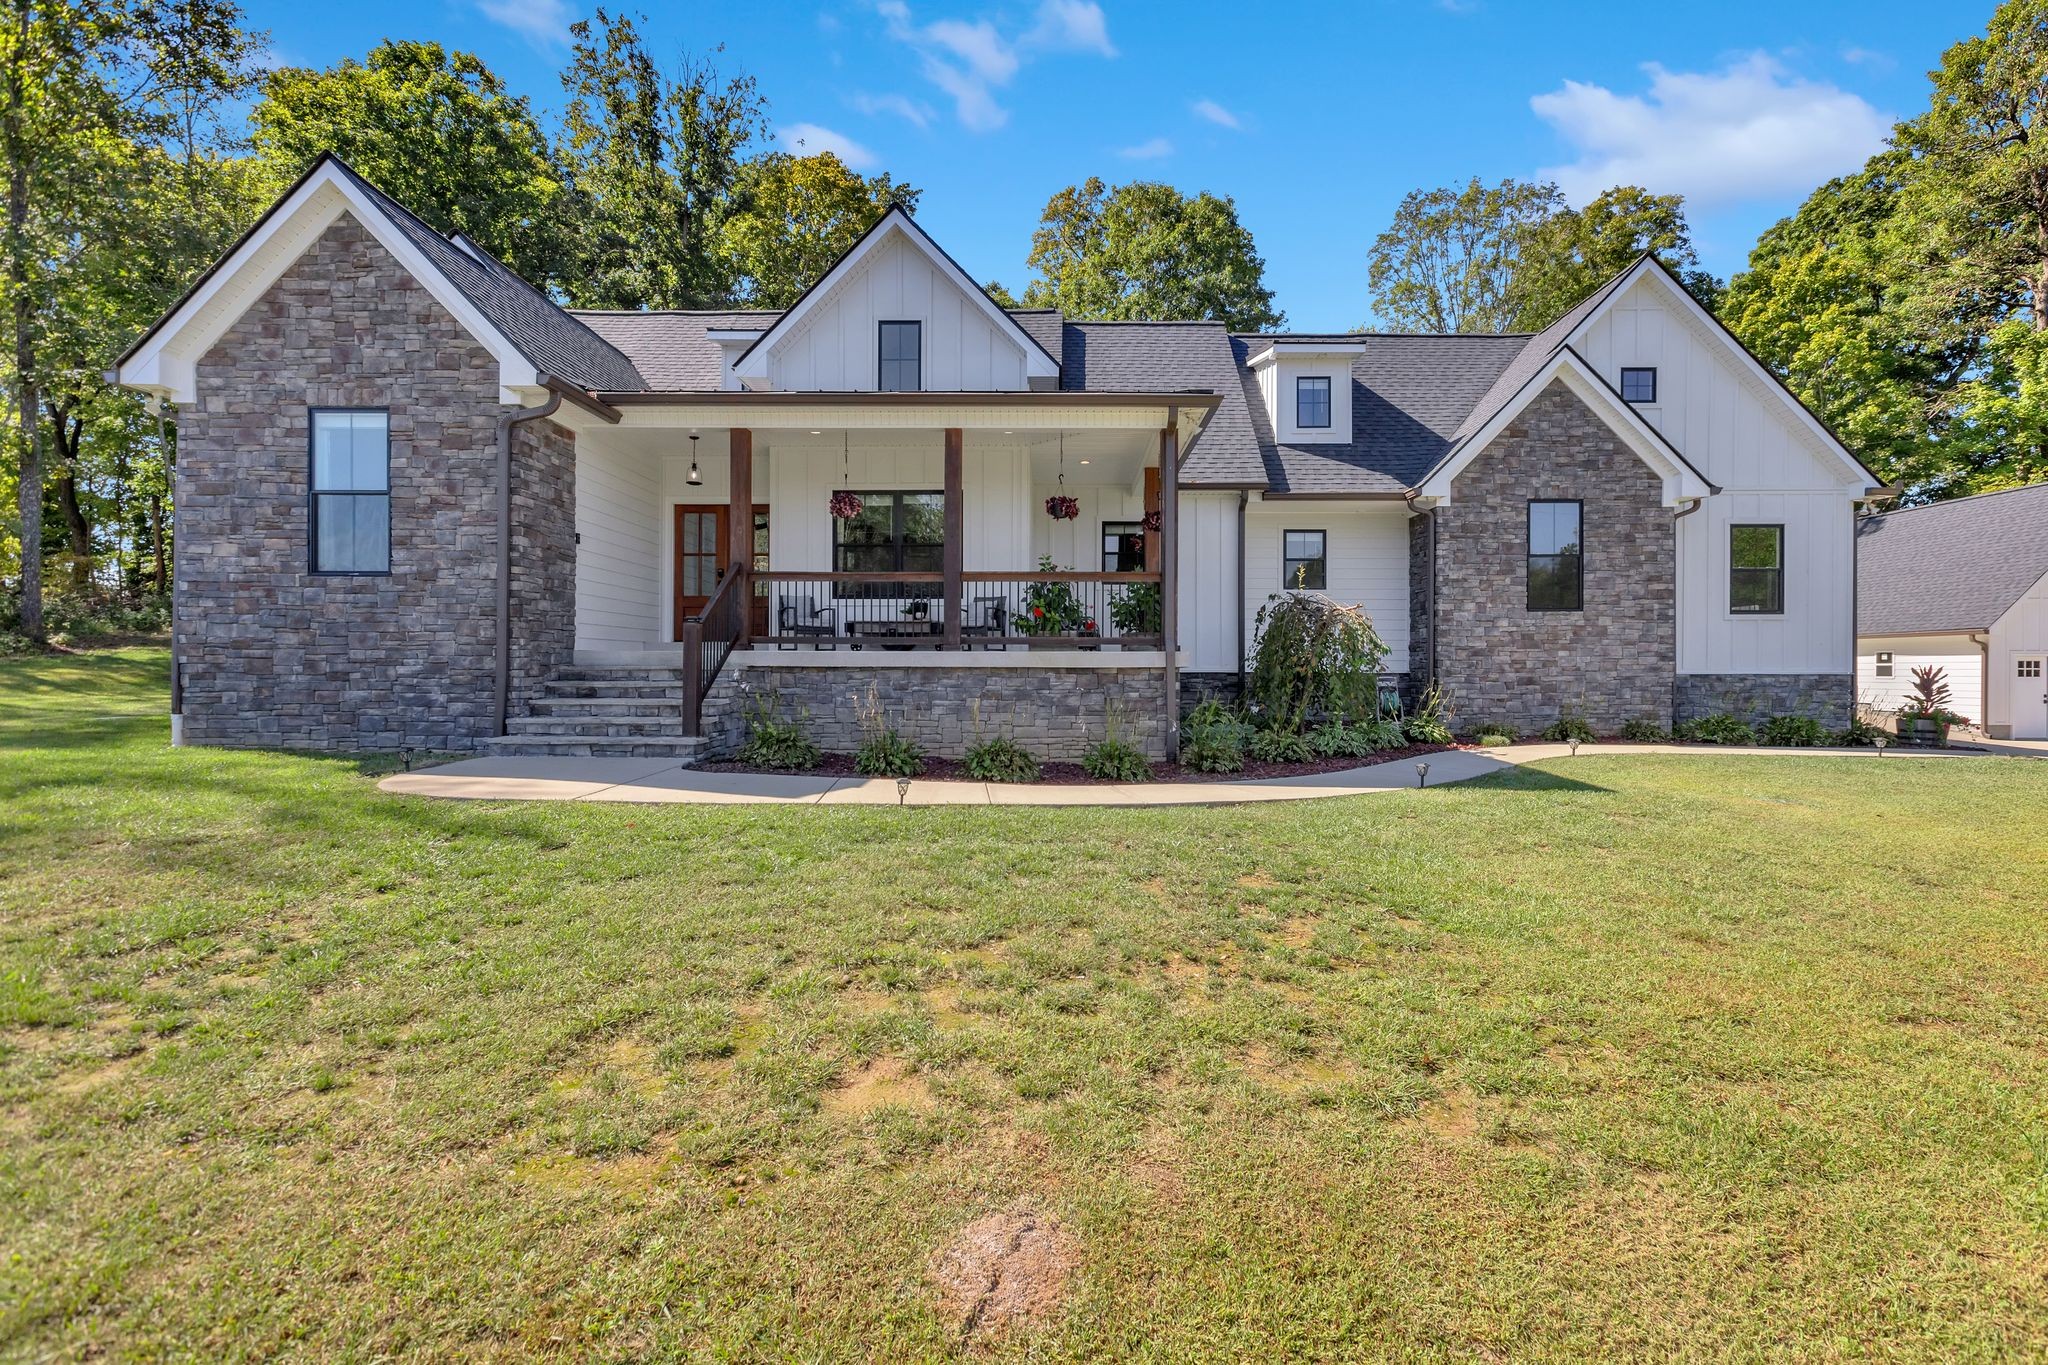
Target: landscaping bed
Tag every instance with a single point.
(1070, 774)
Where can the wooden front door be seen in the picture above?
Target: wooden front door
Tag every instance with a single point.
(700, 559)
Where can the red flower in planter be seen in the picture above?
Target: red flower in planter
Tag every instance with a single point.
(1038, 613)
(1088, 624)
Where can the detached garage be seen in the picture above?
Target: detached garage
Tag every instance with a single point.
(1961, 585)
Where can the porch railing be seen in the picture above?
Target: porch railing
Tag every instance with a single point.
(708, 639)
(993, 610)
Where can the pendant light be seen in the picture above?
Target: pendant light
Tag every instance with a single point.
(695, 480)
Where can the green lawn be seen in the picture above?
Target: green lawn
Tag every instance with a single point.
(1647, 1057)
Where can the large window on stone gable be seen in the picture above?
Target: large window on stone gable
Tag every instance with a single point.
(350, 516)
(1556, 559)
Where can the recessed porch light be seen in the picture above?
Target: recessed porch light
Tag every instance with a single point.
(817, 433)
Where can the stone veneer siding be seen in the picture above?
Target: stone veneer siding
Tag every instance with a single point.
(1613, 661)
(274, 654)
(1055, 713)
(1829, 698)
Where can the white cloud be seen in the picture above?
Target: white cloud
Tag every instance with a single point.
(1071, 26)
(544, 23)
(1750, 131)
(1215, 113)
(1150, 150)
(972, 59)
(902, 106)
(809, 139)
(1870, 57)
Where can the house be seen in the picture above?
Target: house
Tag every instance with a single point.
(421, 505)
(1961, 586)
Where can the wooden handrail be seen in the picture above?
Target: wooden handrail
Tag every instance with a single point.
(726, 603)
(970, 576)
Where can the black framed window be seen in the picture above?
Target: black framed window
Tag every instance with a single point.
(894, 533)
(900, 347)
(1884, 664)
(1123, 547)
(1639, 384)
(1312, 401)
(350, 514)
(1305, 562)
(1756, 570)
(1557, 577)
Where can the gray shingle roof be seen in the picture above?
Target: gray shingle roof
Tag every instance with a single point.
(1173, 357)
(553, 340)
(673, 351)
(1950, 565)
(1409, 394)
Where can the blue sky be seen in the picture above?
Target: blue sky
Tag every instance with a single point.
(1315, 117)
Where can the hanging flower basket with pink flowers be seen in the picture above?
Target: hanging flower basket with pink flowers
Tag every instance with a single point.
(845, 506)
(1153, 521)
(1062, 508)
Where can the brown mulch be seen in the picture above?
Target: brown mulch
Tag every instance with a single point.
(1070, 774)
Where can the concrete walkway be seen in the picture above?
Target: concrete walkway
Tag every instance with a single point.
(660, 780)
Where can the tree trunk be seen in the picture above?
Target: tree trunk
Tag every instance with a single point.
(77, 530)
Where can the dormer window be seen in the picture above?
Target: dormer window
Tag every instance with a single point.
(900, 368)
(1639, 384)
(1312, 401)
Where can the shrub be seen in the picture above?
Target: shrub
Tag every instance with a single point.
(69, 618)
(776, 743)
(1793, 732)
(1312, 659)
(1115, 761)
(1643, 732)
(1431, 723)
(1720, 728)
(1569, 726)
(1000, 760)
(1280, 746)
(883, 752)
(1211, 749)
(1381, 732)
(1862, 734)
(1137, 610)
(1496, 730)
(1493, 739)
(1334, 739)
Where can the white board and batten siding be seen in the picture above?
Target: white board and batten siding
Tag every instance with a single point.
(2017, 711)
(1366, 545)
(1772, 469)
(835, 348)
(1957, 656)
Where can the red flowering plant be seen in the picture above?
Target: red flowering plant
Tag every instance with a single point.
(1153, 521)
(845, 506)
(1060, 507)
(1051, 607)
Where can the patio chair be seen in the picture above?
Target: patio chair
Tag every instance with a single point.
(803, 616)
(987, 616)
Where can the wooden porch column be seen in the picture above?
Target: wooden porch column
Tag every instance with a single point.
(739, 525)
(955, 552)
(1169, 573)
(1151, 506)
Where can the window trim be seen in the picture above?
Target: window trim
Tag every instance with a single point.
(1778, 598)
(917, 327)
(1881, 666)
(1529, 555)
(1322, 536)
(1329, 402)
(1650, 370)
(314, 493)
(887, 590)
(1137, 528)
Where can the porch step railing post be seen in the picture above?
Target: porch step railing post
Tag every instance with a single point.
(693, 678)
(1169, 574)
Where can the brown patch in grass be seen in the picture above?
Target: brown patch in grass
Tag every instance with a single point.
(871, 1086)
(1256, 881)
(1454, 1115)
(1001, 1271)
(1296, 932)
(559, 1173)
(943, 1002)
(1275, 1071)
(1185, 971)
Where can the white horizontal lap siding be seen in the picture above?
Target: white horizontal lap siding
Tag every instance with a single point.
(835, 349)
(2023, 629)
(1367, 550)
(618, 565)
(1960, 660)
(1816, 632)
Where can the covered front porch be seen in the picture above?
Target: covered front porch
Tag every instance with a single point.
(788, 533)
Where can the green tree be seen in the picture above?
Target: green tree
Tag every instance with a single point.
(1566, 256)
(1147, 251)
(435, 129)
(1448, 261)
(654, 159)
(797, 216)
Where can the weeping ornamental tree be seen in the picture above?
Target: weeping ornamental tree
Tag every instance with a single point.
(1313, 659)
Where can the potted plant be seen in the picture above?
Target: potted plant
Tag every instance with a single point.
(918, 609)
(1051, 607)
(1137, 610)
(1925, 718)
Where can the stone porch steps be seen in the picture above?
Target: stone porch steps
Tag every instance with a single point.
(582, 746)
(596, 712)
